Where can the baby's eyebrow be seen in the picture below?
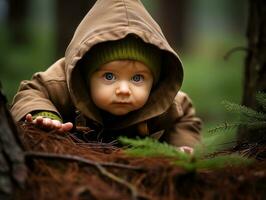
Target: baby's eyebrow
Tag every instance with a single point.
(142, 71)
(106, 70)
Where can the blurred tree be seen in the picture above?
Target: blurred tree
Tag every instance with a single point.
(236, 11)
(255, 63)
(172, 14)
(17, 14)
(68, 16)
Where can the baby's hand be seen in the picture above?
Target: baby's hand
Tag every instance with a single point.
(186, 149)
(49, 124)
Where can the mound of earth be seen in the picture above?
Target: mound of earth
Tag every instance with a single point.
(62, 166)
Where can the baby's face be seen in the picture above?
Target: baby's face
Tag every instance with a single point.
(120, 87)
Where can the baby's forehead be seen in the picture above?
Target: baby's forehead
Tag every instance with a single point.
(125, 65)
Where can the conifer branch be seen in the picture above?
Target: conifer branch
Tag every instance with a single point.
(225, 126)
(148, 147)
(248, 117)
(261, 99)
(151, 147)
(222, 161)
(244, 111)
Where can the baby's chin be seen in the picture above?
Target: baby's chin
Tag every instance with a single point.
(120, 112)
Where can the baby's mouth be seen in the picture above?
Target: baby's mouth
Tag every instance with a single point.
(122, 102)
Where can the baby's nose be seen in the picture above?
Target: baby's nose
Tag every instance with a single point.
(123, 88)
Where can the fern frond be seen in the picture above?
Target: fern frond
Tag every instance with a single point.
(248, 123)
(257, 125)
(222, 161)
(151, 147)
(244, 111)
(217, 162)
(261, 99)
(226, 126)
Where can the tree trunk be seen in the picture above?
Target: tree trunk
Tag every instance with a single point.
(17, 14)
(172, 14)
(255, 63)
(13, 172)
(69, 14)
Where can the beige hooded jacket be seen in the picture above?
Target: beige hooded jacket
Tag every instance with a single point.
(168, 115)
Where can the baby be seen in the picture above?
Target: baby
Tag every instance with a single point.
(119, 75)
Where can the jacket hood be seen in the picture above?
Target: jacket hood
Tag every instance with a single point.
(113, 20)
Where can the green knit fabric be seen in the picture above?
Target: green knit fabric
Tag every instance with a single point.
(129, 48)
(47, 114)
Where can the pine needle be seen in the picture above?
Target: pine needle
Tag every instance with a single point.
(248, 118)
(225, 126)
(244, 111)
(150, 147)
(219, 162)
(256, 125)
(261, 99)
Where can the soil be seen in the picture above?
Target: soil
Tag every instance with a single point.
(62, 166)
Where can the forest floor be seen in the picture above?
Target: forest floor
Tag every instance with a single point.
(64, 167)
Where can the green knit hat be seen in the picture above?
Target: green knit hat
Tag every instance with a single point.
(131, 48)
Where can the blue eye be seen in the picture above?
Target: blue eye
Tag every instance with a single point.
(109, 76)
(137, 78)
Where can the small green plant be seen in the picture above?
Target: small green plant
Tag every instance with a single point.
(201, 158)
(247, 117)
(149, 147)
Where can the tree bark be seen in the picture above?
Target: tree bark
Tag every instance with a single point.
(255, 63)
(173, 14)
(17, 14)
(13, 172)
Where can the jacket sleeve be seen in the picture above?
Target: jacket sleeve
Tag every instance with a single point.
(186, 128)
(40, 93)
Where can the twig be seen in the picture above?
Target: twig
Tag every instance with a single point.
(98, 165)
(131, 187)
(230, 52)
(68, 157)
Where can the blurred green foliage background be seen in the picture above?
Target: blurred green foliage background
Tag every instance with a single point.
(212, 29)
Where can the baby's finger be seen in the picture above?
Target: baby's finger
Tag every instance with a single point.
(38, 121)
(188, 150)
(29, 118)
(57, 124)
(47, 123)
(66, 127)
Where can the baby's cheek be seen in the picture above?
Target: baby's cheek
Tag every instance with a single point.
(141, 96)
(102, 93)
(98, 94)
